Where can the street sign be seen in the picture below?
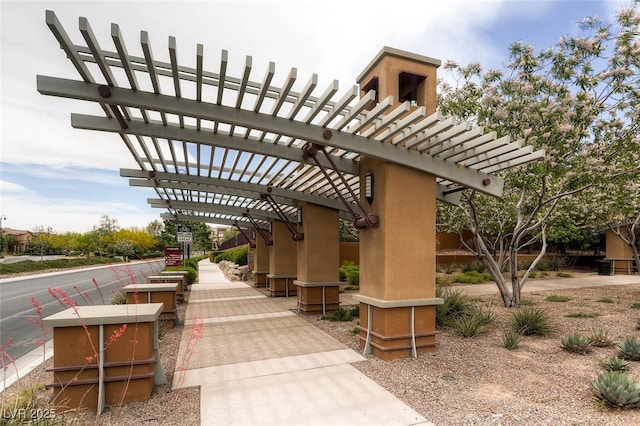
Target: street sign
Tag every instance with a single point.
(184, 234)
(172, 256)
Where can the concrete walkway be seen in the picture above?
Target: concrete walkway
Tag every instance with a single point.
(257, 363)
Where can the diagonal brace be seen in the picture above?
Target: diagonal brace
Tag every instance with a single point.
(267, 240)
(361, 220)
(297, 236)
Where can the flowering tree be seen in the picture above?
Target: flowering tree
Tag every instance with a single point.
(578, 100)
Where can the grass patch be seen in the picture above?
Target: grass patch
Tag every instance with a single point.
(635, 305)
(526, 302)
(581, 314)
(564, 275)
(605, 300)
(556, 298)
(32, 266)
(472, 277)
(455, 304)
(511, 338)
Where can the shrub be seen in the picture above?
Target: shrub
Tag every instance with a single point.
(354, 276)
(473, 324)
(119, 298)
(510, 338)
(472, 277)
(615, 364)
(338, 315)
(616, 389)
(237, 255)
(575, 343)
(564, 275)
(629, 348)
(192, 273)
(475, 266)
(355, 311)
(348, 268)
(556, 298)
(529, 321)
(455, 304)
(600, 338)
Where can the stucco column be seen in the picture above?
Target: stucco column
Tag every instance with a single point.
(397, 262)
(282, 261)
(260, 262)
(318, 260)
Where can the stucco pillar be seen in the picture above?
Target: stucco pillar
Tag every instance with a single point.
(397, 263)
(282, 261)
(397, 259)
(318, 260)
(260, 263)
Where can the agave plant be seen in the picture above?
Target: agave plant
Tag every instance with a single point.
(600, 338)
(616, 389)
(576, 343)
(629, 348)
(615, 364)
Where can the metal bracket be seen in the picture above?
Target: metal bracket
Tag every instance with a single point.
(252, 245)
(297, 236)
(267, 241)
(360, 221)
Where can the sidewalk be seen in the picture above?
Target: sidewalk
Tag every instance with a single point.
(257, 363)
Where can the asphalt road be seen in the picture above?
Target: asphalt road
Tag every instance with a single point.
(17, 312)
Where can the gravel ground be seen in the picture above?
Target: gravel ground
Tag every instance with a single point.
(475, 381)
(467, 381)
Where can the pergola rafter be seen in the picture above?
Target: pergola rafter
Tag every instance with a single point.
(252, 132)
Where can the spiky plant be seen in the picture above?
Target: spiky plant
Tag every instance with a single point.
(530, 321)
(616, 389)
(638, 323)
(615, 364)
(629, 348)
(600, 338)
(510, 338)
(575, 343)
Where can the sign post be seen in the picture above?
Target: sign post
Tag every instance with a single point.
(185, 237)
(172, 256)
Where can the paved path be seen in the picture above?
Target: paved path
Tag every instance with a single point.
(257, 363)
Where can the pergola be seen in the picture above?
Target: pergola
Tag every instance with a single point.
(237, 149)
(205, 139)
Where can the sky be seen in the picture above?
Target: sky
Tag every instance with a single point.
(52, 175)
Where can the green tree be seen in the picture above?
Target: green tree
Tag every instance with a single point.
(577, 100)
(41, 242)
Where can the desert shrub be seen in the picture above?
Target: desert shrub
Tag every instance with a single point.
(510, 338)
(472, 277)
(455, 304)
(530, 321)
(616, 389)
(355, 311)
(476, 266)
(564, 275)
(600, 338)
(338, 315)
(354, 276)
(556, 298)
(476, 322)
(119, 298)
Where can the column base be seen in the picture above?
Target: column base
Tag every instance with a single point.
(318, 297)
(397, 329)
(260, 279)
(281, 285)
